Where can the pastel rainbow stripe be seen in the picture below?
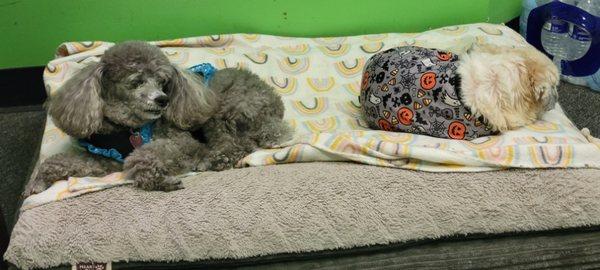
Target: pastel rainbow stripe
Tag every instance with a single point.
(329, 40)
(221, 51)
(343, 143)
(551, 155)
(536, 140)
(372, 47)
(335, 50)
(453, 30)
(350, 69)
(491, 30)
(438, 145)
(328, 124)
(412, 42)
(258, 58)
(483, 142)
(171, 42)
(215, 40)
(353, 88)
(321, 84)
(286, 155)
(348, 108)
(293, 65)
(284, 86)
(357, 124)
(177, 57)
(397, 137)
(318, 105)
(499, 155)
(451, 164)
(357, 134)
(251, 37)
(55, 72)
(83, 46)
(222, 64)
(63, 194)
(299, 49)
(544, 127)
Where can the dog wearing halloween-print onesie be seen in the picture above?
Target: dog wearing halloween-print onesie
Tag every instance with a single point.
(417, 90)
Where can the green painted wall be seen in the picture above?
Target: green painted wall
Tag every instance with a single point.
(501, 10)
(32, 29)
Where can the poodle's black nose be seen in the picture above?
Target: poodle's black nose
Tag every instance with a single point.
(162, 100)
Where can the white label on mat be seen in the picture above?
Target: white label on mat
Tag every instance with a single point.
(92, 266)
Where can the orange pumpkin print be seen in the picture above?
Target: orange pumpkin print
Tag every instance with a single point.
(405, 115)
(365, 81)
(428, 80)
(444, 56)
(457, 130)
(384, 125)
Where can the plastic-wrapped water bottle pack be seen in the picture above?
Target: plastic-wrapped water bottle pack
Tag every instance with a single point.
(569, 32)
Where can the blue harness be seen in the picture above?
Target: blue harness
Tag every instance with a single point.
(205, 69)
(120, 144)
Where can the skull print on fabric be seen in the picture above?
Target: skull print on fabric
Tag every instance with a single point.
(423, 89)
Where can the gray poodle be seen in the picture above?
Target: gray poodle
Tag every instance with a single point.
(193, 126)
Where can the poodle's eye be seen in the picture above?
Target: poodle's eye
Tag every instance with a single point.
(166, 87)
(137, 82)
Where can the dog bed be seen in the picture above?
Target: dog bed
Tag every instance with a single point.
(262, 211)
(319, 81)
(297, 208)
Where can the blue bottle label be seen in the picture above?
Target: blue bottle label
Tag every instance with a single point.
(580, 34)
(557, 26)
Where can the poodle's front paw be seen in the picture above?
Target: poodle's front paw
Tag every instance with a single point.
(150, 173)
(202, 166)
(277, 143)
(171, 183)
(268, 144)
(168, 183)
(221, 162)
(277, 136)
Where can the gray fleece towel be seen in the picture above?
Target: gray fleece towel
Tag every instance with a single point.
(300, 207)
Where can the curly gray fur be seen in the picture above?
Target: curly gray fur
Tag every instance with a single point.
(248, 115)
(129, 87)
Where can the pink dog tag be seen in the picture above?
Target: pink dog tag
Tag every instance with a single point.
(136, 140)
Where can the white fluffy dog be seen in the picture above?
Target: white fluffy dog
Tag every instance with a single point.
(509, 87)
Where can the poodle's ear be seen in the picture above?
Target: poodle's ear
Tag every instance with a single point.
(76, 108)
(191, 102)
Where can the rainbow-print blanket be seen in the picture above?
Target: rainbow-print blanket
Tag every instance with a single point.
(318, 79)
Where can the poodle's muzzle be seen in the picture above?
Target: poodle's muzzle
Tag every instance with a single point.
(159, 98)
(155, 98)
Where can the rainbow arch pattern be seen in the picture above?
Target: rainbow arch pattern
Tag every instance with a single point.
(319, 81)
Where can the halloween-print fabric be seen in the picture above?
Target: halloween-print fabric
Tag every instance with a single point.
(417, 90)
